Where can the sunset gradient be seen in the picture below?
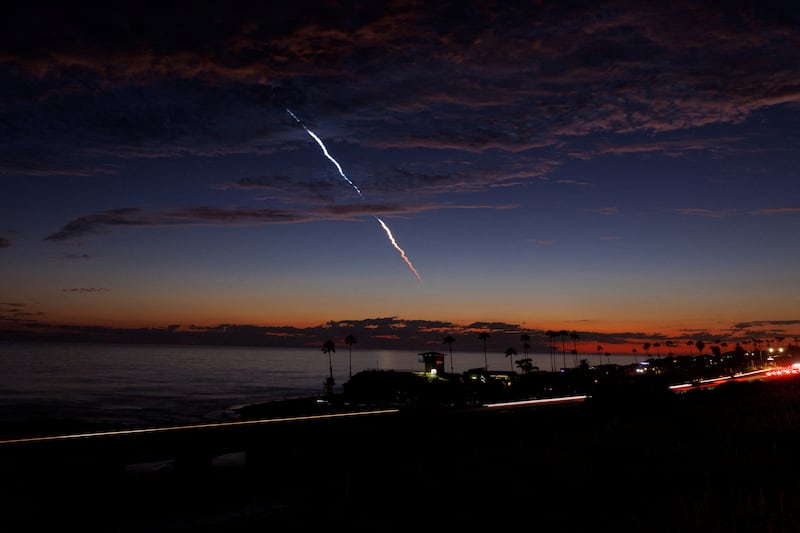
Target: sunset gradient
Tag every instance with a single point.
(624, 171)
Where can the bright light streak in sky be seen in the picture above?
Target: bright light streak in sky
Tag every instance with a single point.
(343, 175)
(397, 247)
(325, 151)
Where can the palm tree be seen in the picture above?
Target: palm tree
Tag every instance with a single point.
(551, 335)
(757, 347)
(484, 336)
(574, 336)
(600, 353)
(510, 353)
(699, 345)
(526, 343)
(327, 348)
(525, 365)
(563, 334)
(350, 341)
(449, 340)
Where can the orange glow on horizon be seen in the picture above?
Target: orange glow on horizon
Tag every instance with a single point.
(616, 335)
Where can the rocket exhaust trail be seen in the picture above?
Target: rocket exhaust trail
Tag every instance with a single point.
(343, 175)
(325, 151)
(397, 247)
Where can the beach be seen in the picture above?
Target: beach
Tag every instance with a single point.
(707, 460)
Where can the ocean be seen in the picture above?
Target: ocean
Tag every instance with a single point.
(154, 385)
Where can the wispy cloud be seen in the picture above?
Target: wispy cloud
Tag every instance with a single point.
(765, 328)
(134, 217)
(17, 312)
(606, 211)
(775, 211)
(86, 290)
(105, 221)
(703, 212)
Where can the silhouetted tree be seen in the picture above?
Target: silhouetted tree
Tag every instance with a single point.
(510, 353)
(525, 365)
(484, 336)
(563, 334)
(449, 340)
(350, 341)
(574, 336)
(757, 347)
(739, 357)
(699, 345)
(526, 339)
(327, 348)
(551, 335)
(600, 353)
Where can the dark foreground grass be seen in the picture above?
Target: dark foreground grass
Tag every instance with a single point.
(708, 460)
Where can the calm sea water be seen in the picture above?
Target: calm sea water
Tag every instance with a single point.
(142, 385)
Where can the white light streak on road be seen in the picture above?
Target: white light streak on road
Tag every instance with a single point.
(191, 426)
(579, 398)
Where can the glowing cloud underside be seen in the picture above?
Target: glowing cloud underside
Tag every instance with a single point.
(355, 187)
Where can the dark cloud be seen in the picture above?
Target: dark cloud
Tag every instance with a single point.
(704, 212)
(131, 81)
(17, 313)
(393, 332)
(86, 290)
(105, 221)
(232, 216)
(4, 243)
(745, 325)
(100, 222)
(775, 211)
(189, 216)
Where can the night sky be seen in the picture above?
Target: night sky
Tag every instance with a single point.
(626, 170)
